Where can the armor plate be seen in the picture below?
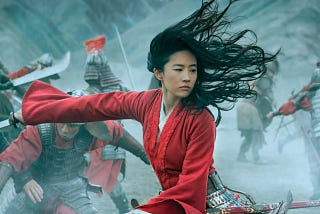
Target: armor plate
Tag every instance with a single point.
(110, 152)
(60, 164)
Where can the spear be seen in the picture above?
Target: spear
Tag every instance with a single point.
(125, 57)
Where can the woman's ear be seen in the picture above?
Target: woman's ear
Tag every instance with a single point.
(157, 74)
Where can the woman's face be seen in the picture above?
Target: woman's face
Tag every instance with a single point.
(67, 131)
(179, 75)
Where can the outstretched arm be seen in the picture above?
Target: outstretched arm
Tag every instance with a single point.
(44, 103)
(291, 106)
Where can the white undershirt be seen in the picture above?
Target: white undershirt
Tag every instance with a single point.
(163, 117)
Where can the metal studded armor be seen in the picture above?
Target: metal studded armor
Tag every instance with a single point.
(60, 164)
(59, 171)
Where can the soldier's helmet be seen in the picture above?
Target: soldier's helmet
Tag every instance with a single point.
(97, 69)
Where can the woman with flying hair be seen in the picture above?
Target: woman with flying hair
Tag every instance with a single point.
(198, 63)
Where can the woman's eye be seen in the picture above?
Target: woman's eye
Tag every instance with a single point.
(177, 69)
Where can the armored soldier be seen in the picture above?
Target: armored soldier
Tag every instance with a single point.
(53, 156)
(44, 61)
(251, 114)
(11, 96)
(15, 93)
(308, 99)
(100, 78)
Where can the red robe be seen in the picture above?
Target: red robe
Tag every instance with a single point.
(181, 156)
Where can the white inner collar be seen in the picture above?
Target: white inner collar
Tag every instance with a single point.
(163, 116)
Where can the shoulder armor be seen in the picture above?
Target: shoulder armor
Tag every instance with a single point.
(46, 132)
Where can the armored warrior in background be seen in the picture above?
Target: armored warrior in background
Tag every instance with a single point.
(10, 97)
(50, 162)
(100, 78)
(251, 114)
(17, 92)
(308, 99)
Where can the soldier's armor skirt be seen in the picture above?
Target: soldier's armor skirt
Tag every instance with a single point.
(110, 152)
(101, 73)
(72, 193)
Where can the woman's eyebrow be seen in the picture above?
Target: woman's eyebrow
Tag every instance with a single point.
(182, 65)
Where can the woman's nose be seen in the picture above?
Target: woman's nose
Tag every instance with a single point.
(185, 75)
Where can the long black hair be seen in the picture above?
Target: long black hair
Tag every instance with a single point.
(227, 62)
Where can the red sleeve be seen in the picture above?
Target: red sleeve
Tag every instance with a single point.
(45, 103)
(287, 108)
(18, 73)
(290, 107)
(24, 150)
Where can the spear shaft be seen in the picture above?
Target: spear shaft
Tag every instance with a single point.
(125, 57)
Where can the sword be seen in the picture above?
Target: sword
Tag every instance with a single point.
(38, 74)
(11, 121)
(4, 123)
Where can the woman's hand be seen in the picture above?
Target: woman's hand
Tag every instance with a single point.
(15, 118)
